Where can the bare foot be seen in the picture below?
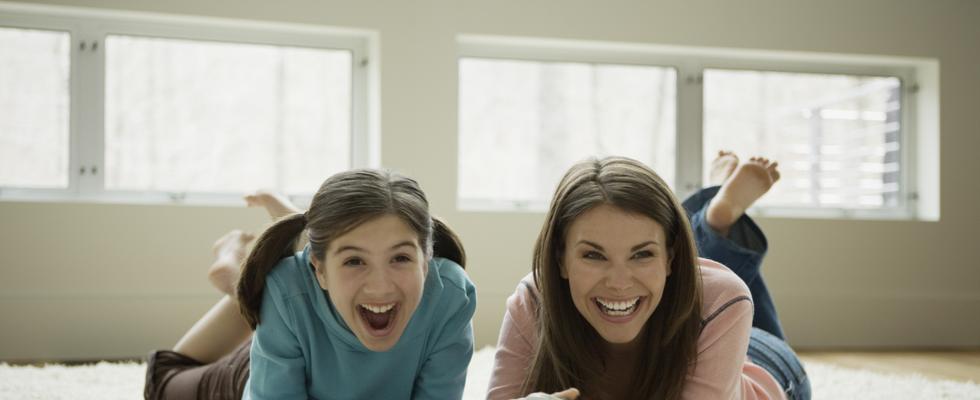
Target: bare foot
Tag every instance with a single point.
(275, 204)
(749, 182)
(229, 252)
(722, 167)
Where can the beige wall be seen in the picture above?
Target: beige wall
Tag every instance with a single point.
(95, 280)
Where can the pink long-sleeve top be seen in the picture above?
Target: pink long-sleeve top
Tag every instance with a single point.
(723, 370)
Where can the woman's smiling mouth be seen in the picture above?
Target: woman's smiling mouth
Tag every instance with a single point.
(618, 310)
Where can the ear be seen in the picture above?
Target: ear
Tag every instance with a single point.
(670, 264)
(319, 270)
(562, 270)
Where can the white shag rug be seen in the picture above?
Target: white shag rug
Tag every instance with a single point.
(107, 381)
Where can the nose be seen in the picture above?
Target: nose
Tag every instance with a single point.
(378, 282)
(620, 277)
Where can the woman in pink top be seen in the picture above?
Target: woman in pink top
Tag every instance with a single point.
(619, 305)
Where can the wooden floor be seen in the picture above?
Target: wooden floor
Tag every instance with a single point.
(953, 365)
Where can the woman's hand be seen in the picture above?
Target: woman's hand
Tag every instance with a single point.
(567, 394)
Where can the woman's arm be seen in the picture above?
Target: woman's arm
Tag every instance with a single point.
(722, 346)
(516, 345)
(722, 349)
(443, 374)
(278, 368)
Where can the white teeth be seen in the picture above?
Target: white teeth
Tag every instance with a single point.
(617, 308)
(378, 309)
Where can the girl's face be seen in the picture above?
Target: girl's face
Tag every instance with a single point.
(374, 276)
(616, 264)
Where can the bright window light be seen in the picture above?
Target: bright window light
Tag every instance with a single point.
(523, 123)
(837, 137)
(215, 117)
(34, 108)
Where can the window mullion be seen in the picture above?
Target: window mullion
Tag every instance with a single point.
(365, 144)
(75, 99)
(689, 128)
(908, 142)
(89, 133)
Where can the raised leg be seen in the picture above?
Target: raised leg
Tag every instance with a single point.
(222, 328)
(733, 238)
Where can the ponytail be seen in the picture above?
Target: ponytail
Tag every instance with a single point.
(446, 244)
(276, 243)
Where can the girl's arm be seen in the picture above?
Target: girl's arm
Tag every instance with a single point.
(443, 374)
(278, 368)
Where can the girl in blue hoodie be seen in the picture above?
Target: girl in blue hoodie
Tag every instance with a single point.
(376, 305)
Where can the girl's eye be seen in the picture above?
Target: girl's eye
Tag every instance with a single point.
(401, 258)
(353, 262)
(593, 255)
(643, 254)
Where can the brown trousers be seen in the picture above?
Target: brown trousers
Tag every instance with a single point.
(174, 376)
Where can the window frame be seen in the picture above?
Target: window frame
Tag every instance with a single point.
(89, 28)
(690, 64)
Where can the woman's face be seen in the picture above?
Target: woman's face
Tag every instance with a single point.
(616, 264)
(374, 276)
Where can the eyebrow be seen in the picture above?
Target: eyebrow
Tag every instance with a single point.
(408, 243)
(635, 248)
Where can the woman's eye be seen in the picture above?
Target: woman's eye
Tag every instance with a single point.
(643, 254)
(593, 255)
(401, 258)
(353, 262)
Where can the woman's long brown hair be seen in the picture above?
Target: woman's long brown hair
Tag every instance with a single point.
(343, 202)
(569, 349)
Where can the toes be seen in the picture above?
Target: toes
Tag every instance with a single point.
(259, 198)
(773, 172)
(726, 153)
(760, 160)
(252, 200)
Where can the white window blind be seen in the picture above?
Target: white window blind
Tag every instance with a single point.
(837, 137)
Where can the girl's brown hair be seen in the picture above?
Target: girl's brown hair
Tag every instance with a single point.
(343, 202)
(569, 349)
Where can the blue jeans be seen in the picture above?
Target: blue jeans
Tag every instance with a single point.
(774, 355)
(742, 251)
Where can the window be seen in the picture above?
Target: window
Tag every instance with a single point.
(845, 129)
(836, 137)
(141, 107)
(34, 67)
(530, 120)
(193, 116)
